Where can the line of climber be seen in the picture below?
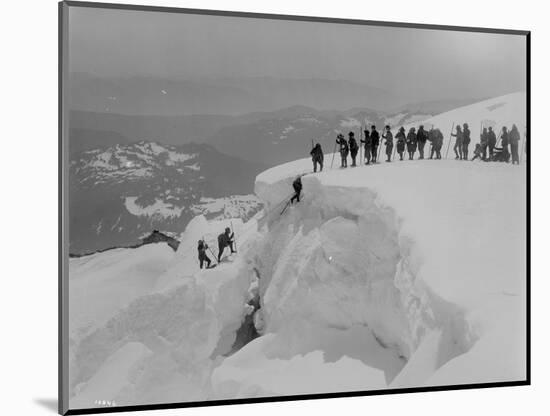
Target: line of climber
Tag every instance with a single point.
(412, 141)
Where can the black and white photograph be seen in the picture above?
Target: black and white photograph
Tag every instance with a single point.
(261, 207)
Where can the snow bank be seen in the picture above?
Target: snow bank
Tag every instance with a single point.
(429, 256)
(256, 372)
(102, 283)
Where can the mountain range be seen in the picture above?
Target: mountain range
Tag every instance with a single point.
(120, 193)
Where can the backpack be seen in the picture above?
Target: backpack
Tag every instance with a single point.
(466, 136)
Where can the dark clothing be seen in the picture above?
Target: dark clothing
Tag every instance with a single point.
(458, 147)
(465, 142)
(478, 152)
(400, 143)
(202, 247)
(317, 157)
(368, 146)
(389, 144)
(421, 138)
(431, 139)
(375, 142)
(295, 197)
(411, 144)
(491, 142)
(317, 162)
(225, 240)
(435, 137)
(514, 145)
(353, 148)
(483, 142)
(505, 143)
(344, 151)
(297, 185)
(205, 259)
(437, 143)
(514, 149)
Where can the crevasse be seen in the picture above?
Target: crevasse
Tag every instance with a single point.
(338, 262)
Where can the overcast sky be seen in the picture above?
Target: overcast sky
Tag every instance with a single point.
(427, 64)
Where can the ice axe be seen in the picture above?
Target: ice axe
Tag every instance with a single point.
(333, 153)
(209, 249)
(362, 161)
(234, 238)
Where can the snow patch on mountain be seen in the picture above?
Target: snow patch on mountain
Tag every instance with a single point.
(235, 206)
(158, 208)
(286, 131)
(194, 166)
(175, 157)
(127, 162)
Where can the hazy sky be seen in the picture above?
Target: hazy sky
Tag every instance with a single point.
(427, 64)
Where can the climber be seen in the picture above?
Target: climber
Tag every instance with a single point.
(388, 142)
(465, 141)
(297, 185)
(353, 148)
(514, 139)
(225, 240)
(505, 142)
(484, 143)
(478, 152)
(375, 141)
(411, 143)
(344, 150)
(317, 157)
(202, 247)
(437, 143)
(400, 142)
(491, 142)
(368, 147)
(421, 139)
(458, 147)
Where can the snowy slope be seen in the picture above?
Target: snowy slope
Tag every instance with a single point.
(443, 243)
(102, 283)
(386, 276)
(503, 111)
